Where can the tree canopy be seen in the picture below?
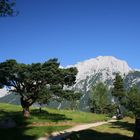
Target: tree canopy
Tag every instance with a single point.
(7, 8)
(133, 101)
(72, 97)
(99, 100)
(118, 92)
(118, 89)
(30, 80)
(133, 105)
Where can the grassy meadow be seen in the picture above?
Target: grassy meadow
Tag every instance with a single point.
(50, 120)
(41, 124)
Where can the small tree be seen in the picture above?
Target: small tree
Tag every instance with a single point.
(133, 104)
(30, 80)
(99, 99)
(72, 97)
(118, 92)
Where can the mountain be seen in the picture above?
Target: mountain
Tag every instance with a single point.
(100, 69)
(132, 78)
(92, 71)
(11, 98)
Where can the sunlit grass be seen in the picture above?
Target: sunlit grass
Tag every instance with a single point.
(120, 130)
(53, 115)
(122, 127)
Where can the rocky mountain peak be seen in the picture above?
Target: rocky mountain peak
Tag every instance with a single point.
(95, 65)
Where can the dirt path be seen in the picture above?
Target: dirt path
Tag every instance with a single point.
(61, 134)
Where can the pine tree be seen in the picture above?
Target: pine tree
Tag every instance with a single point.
(7, 8)
(31, 80)
(99, 98)
(133, 104)
(73, 98)
(118, 92)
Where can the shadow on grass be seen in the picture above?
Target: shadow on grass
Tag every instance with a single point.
(15, 134)
(125, 125)
(90, 134)
(53, 117)
(18, 132)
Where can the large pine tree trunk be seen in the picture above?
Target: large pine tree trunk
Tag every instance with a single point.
(25, 105)
(26, 112)
(136, 135)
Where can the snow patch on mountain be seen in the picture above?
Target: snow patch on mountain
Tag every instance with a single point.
(96, 65)
(101, 68)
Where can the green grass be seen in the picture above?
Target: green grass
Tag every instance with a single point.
(120, 130)
(53, 117)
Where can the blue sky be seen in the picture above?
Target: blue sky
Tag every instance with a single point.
(72, 31)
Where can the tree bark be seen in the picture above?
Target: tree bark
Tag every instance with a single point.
(25, 105)
(26, 112)
(136, 135)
